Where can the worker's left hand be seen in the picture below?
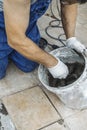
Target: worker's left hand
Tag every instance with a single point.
(75, 44)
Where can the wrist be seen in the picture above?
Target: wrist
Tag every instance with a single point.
(55, 65)
(71, 38)
(52, 61)
(70, 41)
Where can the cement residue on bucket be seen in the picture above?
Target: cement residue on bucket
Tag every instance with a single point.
(73, 90)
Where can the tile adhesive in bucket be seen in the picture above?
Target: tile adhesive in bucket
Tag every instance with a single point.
(72, 91)
(75, 64)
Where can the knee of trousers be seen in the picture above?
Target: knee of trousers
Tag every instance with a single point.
(23, 63)
(29, 67)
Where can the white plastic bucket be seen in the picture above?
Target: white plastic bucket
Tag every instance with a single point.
(73, 95)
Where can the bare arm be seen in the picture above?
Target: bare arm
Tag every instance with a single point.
(69, 14)
(16, 13)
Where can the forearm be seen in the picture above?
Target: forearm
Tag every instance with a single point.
(31, 51)
(69, 15)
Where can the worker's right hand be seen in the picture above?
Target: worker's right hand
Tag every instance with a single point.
(59, 71)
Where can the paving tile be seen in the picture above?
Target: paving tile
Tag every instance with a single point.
(56, 126)
(30, 109)
(5, 120)
(85, 26)
(81, 33)
(54, 32)
(82, 19)
(42, 25)
(61, 108)
(78, 121)
(17, 80)
(54, 8)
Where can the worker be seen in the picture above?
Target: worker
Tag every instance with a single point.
(19, 35)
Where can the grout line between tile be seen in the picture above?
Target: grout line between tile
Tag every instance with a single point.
(17, 92)
(72, 114)
(64, 124)
(55, 107)
(52, 103)
(47, 125)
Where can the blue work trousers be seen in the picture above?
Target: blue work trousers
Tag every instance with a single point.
(32, 32)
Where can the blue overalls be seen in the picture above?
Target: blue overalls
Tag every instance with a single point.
(6, 52)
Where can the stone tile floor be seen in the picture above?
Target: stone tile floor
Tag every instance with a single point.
(28, 105)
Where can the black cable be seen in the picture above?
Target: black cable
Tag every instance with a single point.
(58, 20)
(51, 25)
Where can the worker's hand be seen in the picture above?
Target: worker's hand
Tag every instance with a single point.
(59, 71)
(75, 44)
